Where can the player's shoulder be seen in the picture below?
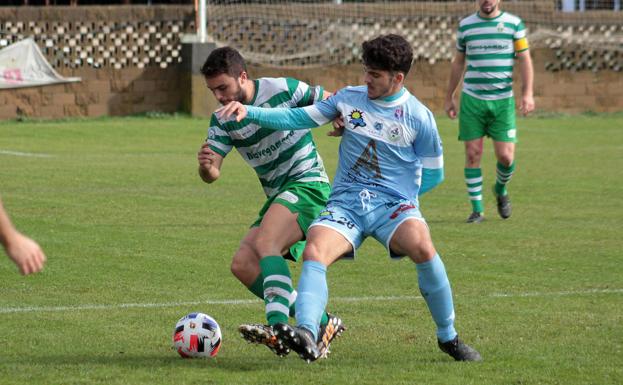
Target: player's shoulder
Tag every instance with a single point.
(354, 90)
(351, 93)
(508, 17)
(267, 82)
(418, 113)
(469, 19)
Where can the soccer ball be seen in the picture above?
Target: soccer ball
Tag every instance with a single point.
(197, 335)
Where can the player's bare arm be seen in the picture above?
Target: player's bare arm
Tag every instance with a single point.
(23, 251)
(526, 72)
(456, 73)
(209, 163)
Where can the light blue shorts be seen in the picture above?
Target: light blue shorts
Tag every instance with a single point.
(356, 222)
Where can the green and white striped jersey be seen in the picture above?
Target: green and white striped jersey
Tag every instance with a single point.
(278, 157)
(490, 47)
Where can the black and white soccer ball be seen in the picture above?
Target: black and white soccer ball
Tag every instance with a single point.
(197, 335)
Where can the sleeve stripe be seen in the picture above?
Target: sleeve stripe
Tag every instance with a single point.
(436, 162)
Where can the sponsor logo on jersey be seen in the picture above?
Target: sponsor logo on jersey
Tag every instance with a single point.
(327, 216)
(395, 133)
(270, 150)
(399, 113)
(288, 197)
(356, 118)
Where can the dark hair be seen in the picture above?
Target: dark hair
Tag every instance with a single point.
(224, 60)
(388, 53)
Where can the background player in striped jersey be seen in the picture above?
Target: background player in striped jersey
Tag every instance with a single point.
(292, 176)
(489, 41)
(390, 153)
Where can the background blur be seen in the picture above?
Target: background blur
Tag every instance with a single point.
(135, 56)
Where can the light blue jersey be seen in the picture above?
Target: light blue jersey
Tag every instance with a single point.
(390, 147)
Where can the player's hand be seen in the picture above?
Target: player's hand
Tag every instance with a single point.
(206, 156)
(527, 104)
(26, 253)
(450, 108)
(338, 127)
(232, 108)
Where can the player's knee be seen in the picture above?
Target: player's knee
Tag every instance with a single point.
(264, 245)
(423, 252)
(473, 156)
(506, 159)
(243, 260)
(312, 252)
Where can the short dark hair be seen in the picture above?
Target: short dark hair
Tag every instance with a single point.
(224, 60)
(388, 53)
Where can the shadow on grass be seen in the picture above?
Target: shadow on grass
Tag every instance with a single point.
(147, 361)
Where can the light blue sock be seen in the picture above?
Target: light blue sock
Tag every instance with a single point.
(435, 289)
(313, 295)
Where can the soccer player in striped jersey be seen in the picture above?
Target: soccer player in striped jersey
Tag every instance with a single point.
(489, 41)
(390, 153)
(292, 176)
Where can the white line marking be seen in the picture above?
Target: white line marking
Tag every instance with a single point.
(29, 154)
(33, 309)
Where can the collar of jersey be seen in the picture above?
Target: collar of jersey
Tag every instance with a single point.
(489, 19)
(255, 92)
(393, 100)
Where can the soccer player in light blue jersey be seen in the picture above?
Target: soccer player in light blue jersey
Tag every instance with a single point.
(390, 153)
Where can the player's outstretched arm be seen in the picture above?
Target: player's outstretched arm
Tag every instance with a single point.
(23, 251)
(284, 119)
(526, 71)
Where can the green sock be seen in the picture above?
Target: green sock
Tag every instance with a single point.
(473, 180)
(257, 287)
(277, 288)
(503, 175)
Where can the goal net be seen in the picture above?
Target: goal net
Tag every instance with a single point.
(291, 34)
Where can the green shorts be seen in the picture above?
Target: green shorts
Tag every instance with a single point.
(307, 199)
(493, 118)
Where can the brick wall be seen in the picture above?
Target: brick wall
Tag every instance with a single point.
(101, 92)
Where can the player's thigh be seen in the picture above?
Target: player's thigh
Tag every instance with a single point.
(325, 245)
(412, 238)
(503, 126)
(472, 118)
(337, 232)
(278, 230)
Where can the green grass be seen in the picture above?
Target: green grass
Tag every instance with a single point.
(124, 219)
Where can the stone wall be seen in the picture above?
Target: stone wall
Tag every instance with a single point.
(102, 92)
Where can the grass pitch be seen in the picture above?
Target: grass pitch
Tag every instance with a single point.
(135, 240)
